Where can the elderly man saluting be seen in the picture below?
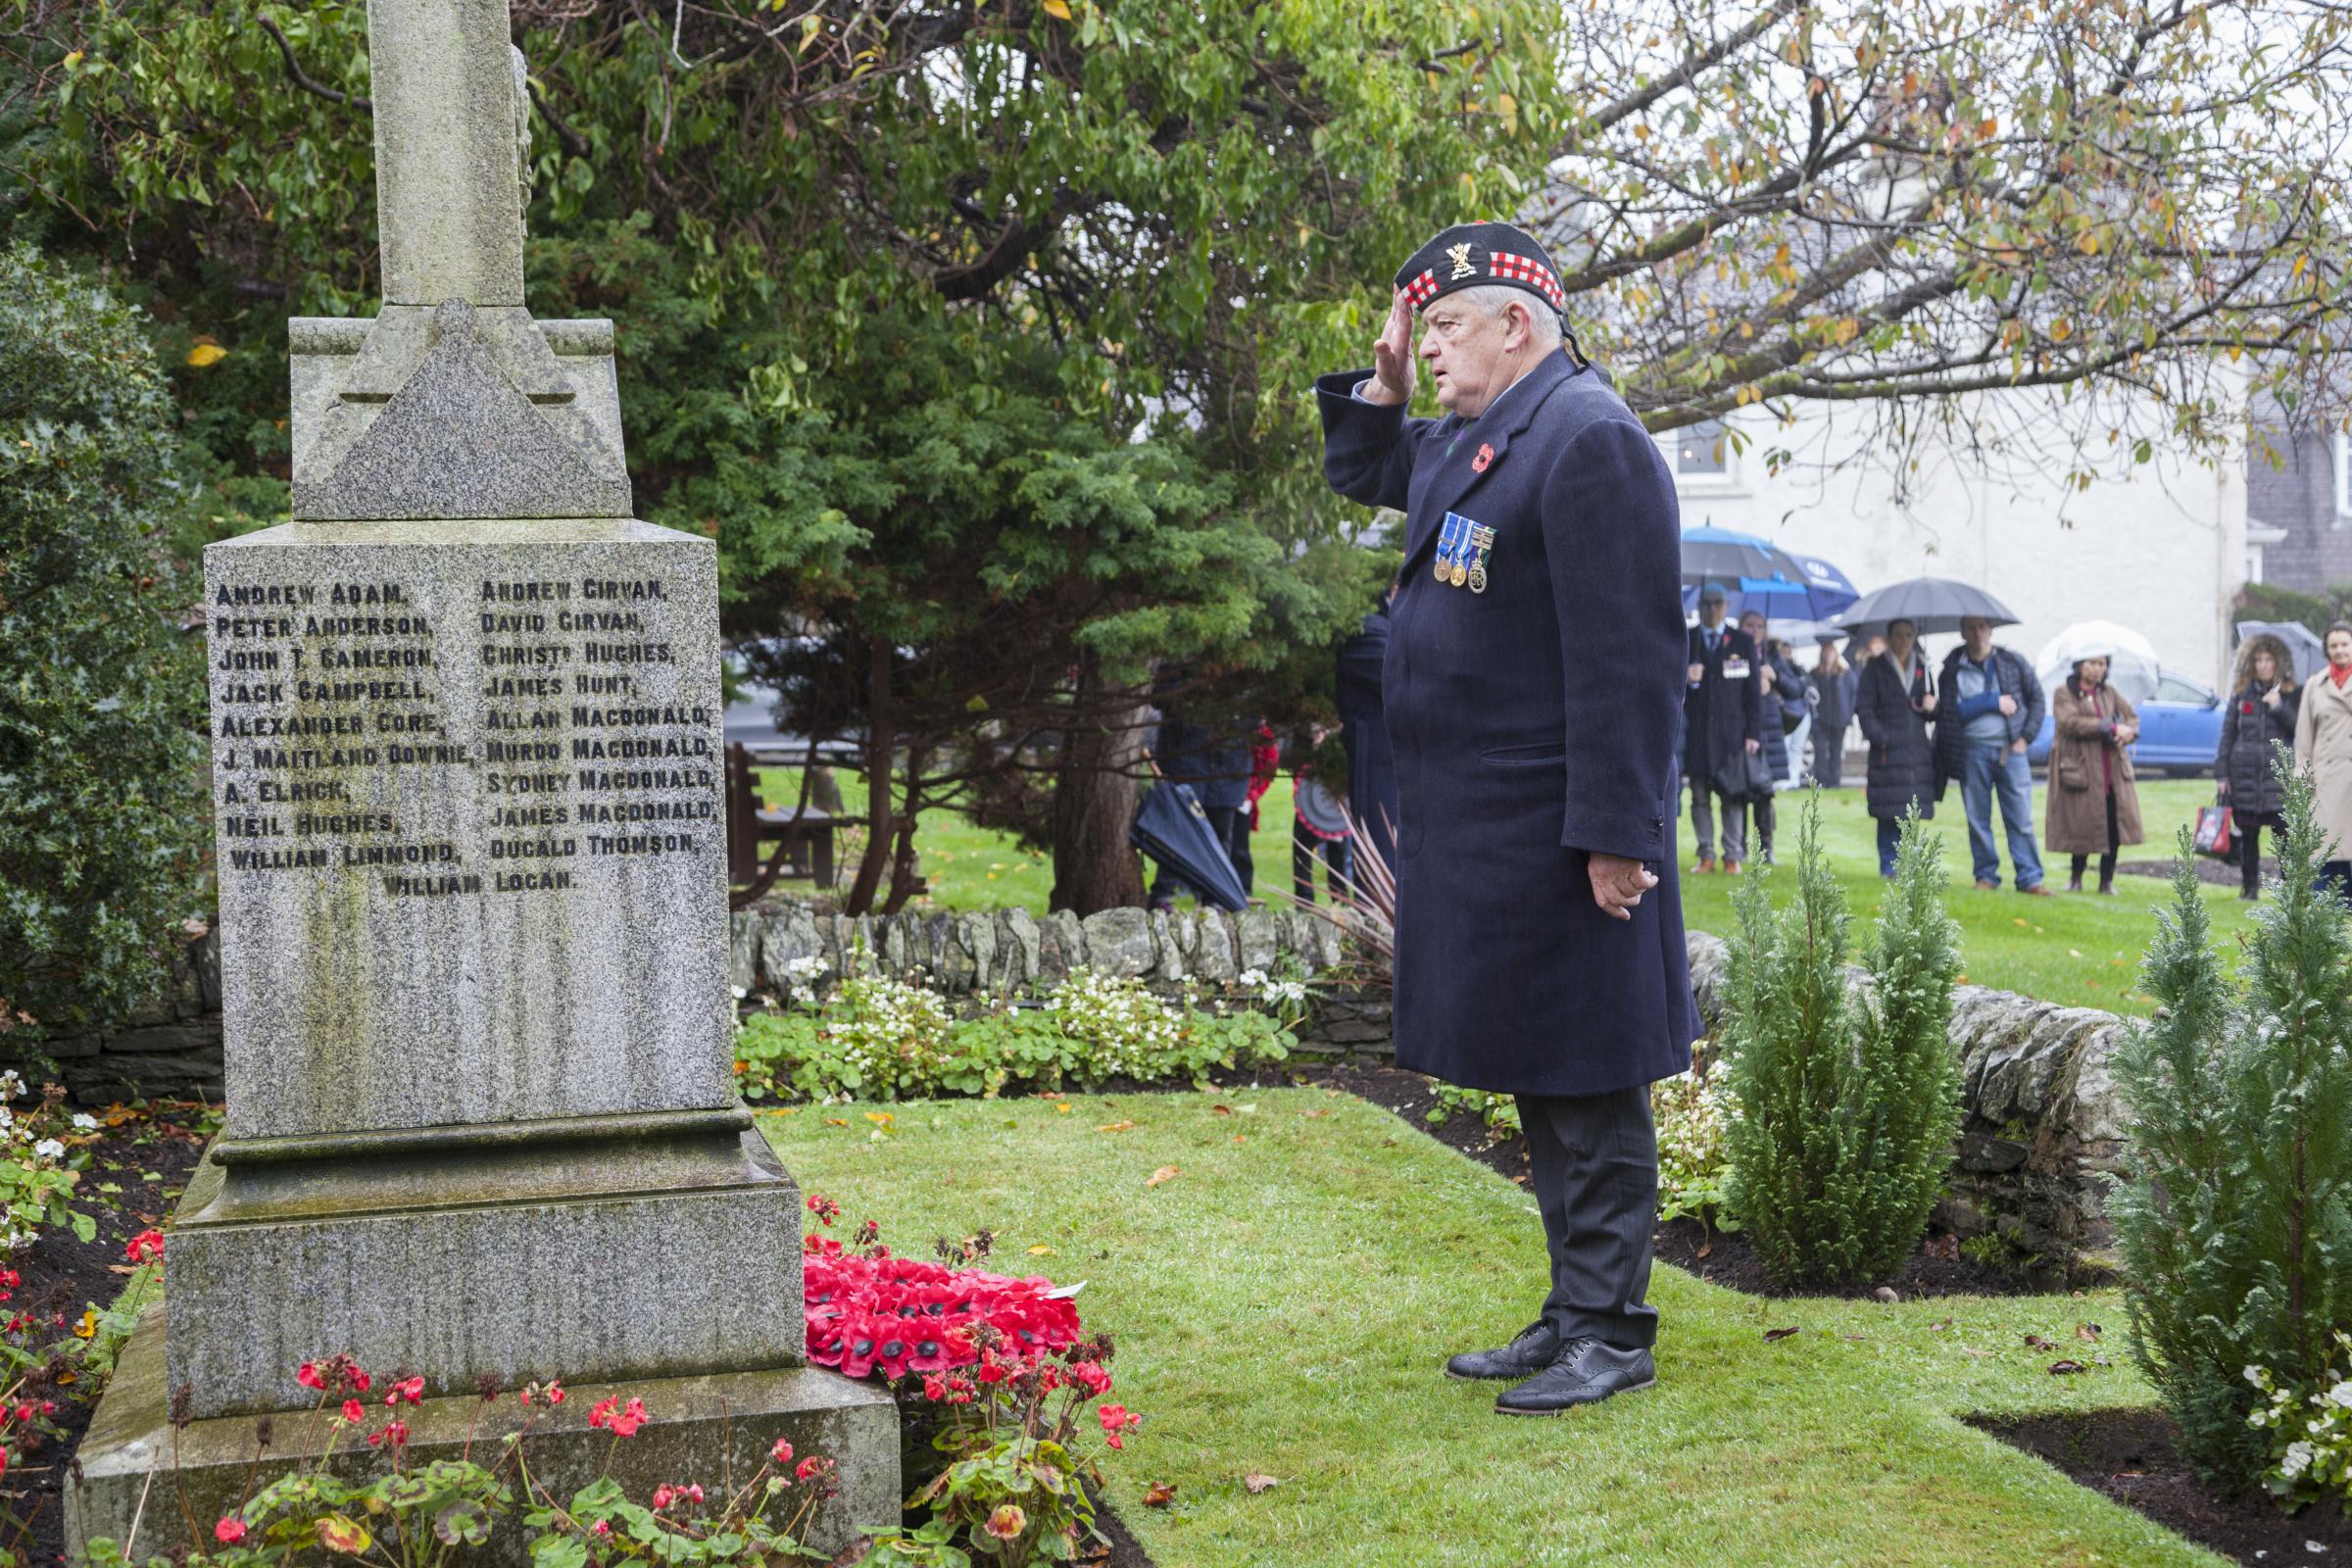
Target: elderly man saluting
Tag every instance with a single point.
(1534, 679)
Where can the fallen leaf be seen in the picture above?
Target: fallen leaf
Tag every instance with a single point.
(2089, 1333)
(1159, 1495)
(1165, 1173)
(2059, 1369)
(1771, 1335)
(205, 354)
(1241, 1138)
(1063, 1105)
(1116, 1127)
(1323, 1110)
(88, 1325)
(1059, 10)
(1940, 1324)
(1258, 1483)
(1220, 1110)
(880, 1118)
(1041, 1250)
(843, 1121)
(2034, 1341)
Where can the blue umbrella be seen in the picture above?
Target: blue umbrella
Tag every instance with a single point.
(1721, 555)
(1823, 593)
(1173, 829)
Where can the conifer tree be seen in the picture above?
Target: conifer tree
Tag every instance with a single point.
(1848, 1105)
(2232, 1214)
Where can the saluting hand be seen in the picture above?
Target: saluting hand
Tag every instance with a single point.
(1618, 883)
(1393, 372)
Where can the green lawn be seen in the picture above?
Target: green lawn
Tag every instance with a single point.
(2079, 949)
(1283, 1305)
(2083, 951)
(975, 868)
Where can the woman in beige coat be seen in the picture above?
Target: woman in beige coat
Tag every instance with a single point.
(2093, 806)
(2324, 745)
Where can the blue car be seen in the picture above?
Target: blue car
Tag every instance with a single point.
(2179, 730)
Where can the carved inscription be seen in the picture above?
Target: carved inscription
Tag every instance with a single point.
(503, 745)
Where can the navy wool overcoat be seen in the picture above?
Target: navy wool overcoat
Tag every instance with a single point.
(1532, 724)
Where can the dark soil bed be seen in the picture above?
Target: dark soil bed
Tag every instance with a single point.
(1937, 1268)
(2128, 1456)
(150, 1159)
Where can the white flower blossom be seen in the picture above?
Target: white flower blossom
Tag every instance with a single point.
(11, 1085)
(2255, 1375)
(1254, 978)
(2341, 1393)
(84, 1122)
(50, 1149)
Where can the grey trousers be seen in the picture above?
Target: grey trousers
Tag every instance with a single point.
(1594, 1167)
(1704, 796)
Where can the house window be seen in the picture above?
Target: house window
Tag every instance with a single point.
(1706, 450)
(2340, 450)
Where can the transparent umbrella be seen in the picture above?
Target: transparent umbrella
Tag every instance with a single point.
(2132, 668)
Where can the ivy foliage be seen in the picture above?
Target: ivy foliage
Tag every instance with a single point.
(101, 815)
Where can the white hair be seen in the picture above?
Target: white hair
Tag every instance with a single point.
(1542, 323)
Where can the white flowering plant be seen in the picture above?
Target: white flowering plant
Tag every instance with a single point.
(1691, 1111)
(40, 1165)
(2310, 1431)
(880, 1038)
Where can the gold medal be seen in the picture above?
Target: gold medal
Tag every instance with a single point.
(1460, 575)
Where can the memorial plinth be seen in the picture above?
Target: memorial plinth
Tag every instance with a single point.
(481, 1124)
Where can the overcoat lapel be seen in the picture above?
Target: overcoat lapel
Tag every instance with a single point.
(1459, 469)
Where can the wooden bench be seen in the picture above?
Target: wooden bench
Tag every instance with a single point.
(803, 842)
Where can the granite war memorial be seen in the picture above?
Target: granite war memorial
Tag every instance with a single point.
(482, 1126)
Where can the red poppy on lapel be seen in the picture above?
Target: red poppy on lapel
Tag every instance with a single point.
(1486, 455)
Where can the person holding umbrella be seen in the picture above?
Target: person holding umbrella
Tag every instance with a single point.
(1894, 701)
(2261, 716)
(1723, 725)
(1992, 708)
(1534, 681)
(2093, 803)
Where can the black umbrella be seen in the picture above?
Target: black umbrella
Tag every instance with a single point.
(1173, 829)
(1932, 604)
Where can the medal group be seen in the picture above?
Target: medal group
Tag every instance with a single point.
(1462, 547)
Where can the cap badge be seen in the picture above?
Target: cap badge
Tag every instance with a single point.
(1459, 254)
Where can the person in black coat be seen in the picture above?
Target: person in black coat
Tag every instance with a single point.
(1215, 762)
(1832, 682)
(1723, 725)
(1895, 701)
(1533, 690)
(2261, 715)
(1364, 732)
(1786, 701)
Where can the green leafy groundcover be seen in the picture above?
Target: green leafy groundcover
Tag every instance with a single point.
(883, 1039)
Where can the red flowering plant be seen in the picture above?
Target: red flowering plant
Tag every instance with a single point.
(1010, 1379)
(424, 1514)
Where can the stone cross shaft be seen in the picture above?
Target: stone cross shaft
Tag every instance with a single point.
(451, 130)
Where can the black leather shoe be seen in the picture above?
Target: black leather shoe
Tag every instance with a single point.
(1535, 1349)
(1586, 1372)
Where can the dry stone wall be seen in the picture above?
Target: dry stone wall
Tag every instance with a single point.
(2044, 1121)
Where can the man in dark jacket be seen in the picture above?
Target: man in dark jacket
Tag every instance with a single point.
(1723, 711)
(1215, 762)
(1534, 671)
(1991, 709)
(1371, 764)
